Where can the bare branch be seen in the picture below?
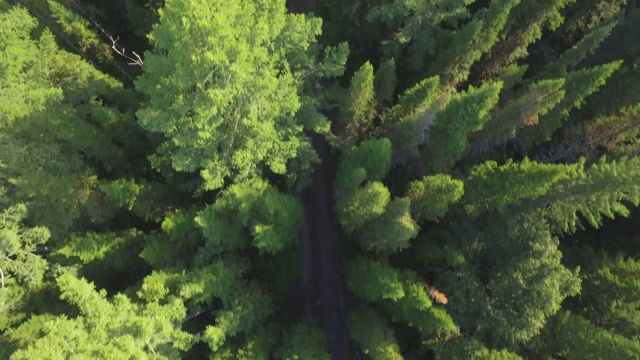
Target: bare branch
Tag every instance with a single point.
(122, 52)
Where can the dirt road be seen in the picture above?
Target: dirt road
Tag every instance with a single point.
(321, 275)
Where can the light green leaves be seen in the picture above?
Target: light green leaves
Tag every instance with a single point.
(223, 88)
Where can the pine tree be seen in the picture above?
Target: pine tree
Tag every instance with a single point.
(466, 112)
(577, 86)
(524, 26)
(602, 189)
(460, 347)
(512, 279)
(372, 280)
(474, 39)
(371, 332)
(572, 337)
(359, 108)
(304, 341)
(495, 187)
(419, 26)
(21, 269)
(432, 196)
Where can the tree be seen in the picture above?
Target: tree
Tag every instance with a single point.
(304, 341)
(525, 25)
(432, 196)
(359, 108)
(512, 279)
(373, 280)
(21, 269)
(602, 189)
(371, 332)
(272, 218)
(573, 337)
(465, 112)
(496, 187)
(475, 38)
(117, 328)
(610, 290)
(459, 347)
(578, 85)
(418, 27)
(246, 58)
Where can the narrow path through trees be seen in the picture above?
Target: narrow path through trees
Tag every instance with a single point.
(321, 277)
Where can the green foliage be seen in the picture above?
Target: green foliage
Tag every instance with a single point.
(362, 205)
(432, 196)
(417, 310)
(199, 169)
(198, 286)
(421, 26)
(412, 117)
(496, 187)
(385, 81)
(373, 280)
(272, 218)
(391, 231)
(466, 112)
(571, 57)
(372, 156)
(603, 189)
(371, 332)
(114, 328)
(359, 108)
(460, 347)
(122, 192)
(247, 311)
(572, 337)
(91, 246)
(21, 270)
(610, 290)
(525, 25)
(25, 66)
(244, 58)
(577, 86)
(522, 284)
(79, 30)
(304, 341)
(466, 46)
(525, 110)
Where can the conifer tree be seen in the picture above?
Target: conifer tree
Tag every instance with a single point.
(577, 86)
(474, 39)
(359, 108)
(602, 189)
(460, 347)
(432, 196)
(372, 280)
(21, 269)
(524, 26)
(495, 187)
(371, 332)
(466, 112)
(573, 337)
(304, 341)
(524, 284)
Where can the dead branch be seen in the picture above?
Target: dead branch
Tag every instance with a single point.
(137, 61)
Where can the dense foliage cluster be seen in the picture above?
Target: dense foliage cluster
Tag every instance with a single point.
(156, 161)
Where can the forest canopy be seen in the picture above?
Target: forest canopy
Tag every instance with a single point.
(319, 179)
